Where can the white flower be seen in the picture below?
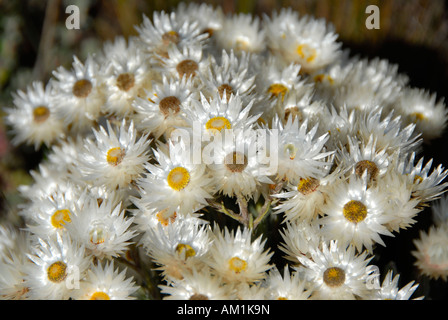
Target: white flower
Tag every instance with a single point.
(387, 131)
(304, 200)
(78, 93)
(189, 62)
(175, 183)
(198, 285)
(105, 283)
(432, 252)
(115, 157)
(125, 76)
(219, 114)
(389, 289)
(238, 164)
(209, 18)
(355, 213)
(364, 156)
(307, 41)
(167, 29)
(56, 264)
(48, 216)
(164, 107)
(299, 238)
(236, 258)
(336, 272)
(102, 229)
(241, 32)
(421, 107)
(34, 119)
(178, 247)
(300, 154)
(230, 75)
(286, 287)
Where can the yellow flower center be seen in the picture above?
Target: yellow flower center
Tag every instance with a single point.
(282, 298)
(370, 166)
(125, 81)
(293, 112)
(308, 185)
(237, 265)
(417, 179)
(165, 218)
(40, 114)
(334, 277)
(115, 156)
(418, 116)
(185, 249)
(235, 162)
(306, 52)
(187, 68)
(82, 88)
(60, 217)
(217, 124)
(99, 295)
(322, 77)
(354, 211)
(178, 178)
(277, 89)
(56, 272)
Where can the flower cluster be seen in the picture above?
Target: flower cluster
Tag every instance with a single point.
(172, 152)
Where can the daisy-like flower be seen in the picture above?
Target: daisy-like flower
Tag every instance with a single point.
(198, 285)
(400, 200)
(389, 289)
(167, 29)
(14, 246)
(209, 18)
(387, 131)
(336, 272)
(307, 41)
(426, 185)
(300, 154)
(105, 283)
(175, 183)
(164, 107)
(125, 76)
(236, 258)
(239, 164)
(188, 62)
(339, 125)
(432, 253)
(361, 157)
(299, 237)
(275, 80)
(286, 287)
(78, 93)
(230, 75)
(304, 201)
(102, 229)
(440, 210)
(179, 247)
(116, 157)
(56, 265)
(48, 216)
(241, 32)
(422, 108)
(34, 119)
(212, 118)
(355, 213)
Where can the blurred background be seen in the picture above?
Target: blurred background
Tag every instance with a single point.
(413, 34)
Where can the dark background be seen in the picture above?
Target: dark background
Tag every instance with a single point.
(413, 35)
